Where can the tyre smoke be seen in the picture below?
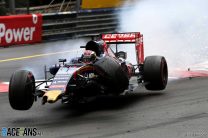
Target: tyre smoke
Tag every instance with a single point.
(36, 65)
(175, 29)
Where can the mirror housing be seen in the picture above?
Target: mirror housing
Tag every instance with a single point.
(82, 46)
(62, 61)
(54, 69)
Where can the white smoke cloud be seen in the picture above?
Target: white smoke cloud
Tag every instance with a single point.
(36, 65)
(176, 29)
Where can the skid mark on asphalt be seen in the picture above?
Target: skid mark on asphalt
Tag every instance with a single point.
(38, 55)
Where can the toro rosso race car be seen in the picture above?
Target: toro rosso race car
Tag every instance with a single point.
(98, 71)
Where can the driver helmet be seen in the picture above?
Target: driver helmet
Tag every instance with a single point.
(89, 56)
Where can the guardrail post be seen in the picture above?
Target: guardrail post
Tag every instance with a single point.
(28, 6)
(78, 5)
(12, 6)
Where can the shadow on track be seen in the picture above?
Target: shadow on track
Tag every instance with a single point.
(107, 103)
(103, 108)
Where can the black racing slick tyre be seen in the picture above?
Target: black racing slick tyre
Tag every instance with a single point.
(155, 73)
(116, 78)
(21, 90)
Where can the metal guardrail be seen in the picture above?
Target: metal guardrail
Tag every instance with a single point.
(2, 4)
(73, 25)
(3, 10)
(67, 6)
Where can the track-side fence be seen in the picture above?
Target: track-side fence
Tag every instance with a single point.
(58, 26)
(73, 25)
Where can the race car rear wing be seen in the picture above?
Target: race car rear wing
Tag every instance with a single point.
(127, 38)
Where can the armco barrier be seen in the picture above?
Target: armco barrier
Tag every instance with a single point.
(20, 29)
(67, 6)
(26, 29)
(73, 25)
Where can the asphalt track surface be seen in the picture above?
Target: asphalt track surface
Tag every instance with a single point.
(180, 111)
(34, 57)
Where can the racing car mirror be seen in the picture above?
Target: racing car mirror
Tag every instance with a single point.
(121, 54)
(62, 61)
(82, 46)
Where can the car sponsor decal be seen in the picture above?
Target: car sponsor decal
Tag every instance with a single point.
(57, 86)
(62, 78)
(123, 37)
(59, 82)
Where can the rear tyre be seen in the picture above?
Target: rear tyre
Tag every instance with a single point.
(155, 73)
(116, 78)
(21, 90)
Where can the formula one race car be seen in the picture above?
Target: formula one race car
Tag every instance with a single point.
(98, 71)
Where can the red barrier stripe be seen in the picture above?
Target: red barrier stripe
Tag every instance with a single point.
(188, 74)
(4, 87)
(193, 74)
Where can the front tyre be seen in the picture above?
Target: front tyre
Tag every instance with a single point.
(21, 90)
(155, 73)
